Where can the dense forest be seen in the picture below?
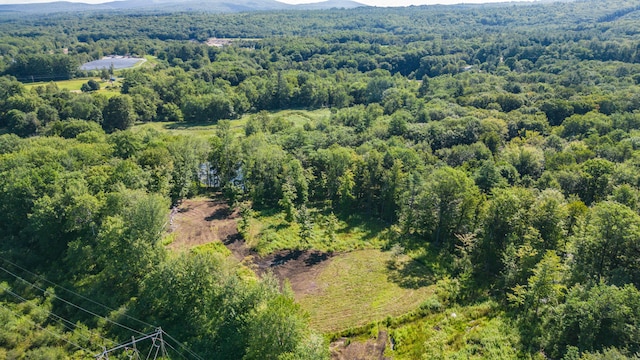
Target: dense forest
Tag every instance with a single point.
(489, 153)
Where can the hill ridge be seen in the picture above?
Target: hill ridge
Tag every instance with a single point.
(219, 6)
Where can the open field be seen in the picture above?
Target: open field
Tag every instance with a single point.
(298, 117)
(106, 88)
(355, 289)
(71, 85)
(151, 62)
(273, 233)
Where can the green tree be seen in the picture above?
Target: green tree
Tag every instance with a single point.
(306, 225)
(262, 167)
(507, 225)
(90, 85)
(119, 113)
(188, 156)
(544, 290)
(125, 144)
(289, 195)
(596, 176)
(275, 330)
(225, 156)
(169, 112)
(592, 319)
(446, 205)
(488, 176)
(22, 124)
(126, 247)
(606, 244)
(145, 102)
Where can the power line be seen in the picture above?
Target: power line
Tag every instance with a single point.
(7, 290)
(183, 346)
(46, 292)
(47, 331)
(75, 293)
(154, 336)
(176, 351)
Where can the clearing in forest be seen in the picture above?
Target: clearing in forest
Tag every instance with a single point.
(339, 290)
(204, 129)
(357, 288)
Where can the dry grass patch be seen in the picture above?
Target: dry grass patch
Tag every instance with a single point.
(354, 289)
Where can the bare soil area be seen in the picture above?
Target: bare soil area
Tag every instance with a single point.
(301, 268)
(197, 222)
(372, 349)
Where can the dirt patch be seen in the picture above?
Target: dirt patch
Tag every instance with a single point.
(301, 268)
(373, 349)
(198, 222)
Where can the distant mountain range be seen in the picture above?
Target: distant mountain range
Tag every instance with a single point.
(176, 5)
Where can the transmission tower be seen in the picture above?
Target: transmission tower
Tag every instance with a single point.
(156, 351)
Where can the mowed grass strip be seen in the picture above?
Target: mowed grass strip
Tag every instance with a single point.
(355, 289)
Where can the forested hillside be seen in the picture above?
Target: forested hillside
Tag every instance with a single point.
(424, 182)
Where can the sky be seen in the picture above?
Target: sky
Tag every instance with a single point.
(367, 2)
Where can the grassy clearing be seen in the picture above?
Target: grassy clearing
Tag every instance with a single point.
(355, 289)
(71, 85)
(298, 117)
(270, 232)
(473, 332)
(178, 128)
(106, 88)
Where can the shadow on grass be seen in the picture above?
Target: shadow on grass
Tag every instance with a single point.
(184, 125)
(413, 272)
(370, 227)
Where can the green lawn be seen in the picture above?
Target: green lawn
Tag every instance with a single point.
(151, 62)
(179, 128)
